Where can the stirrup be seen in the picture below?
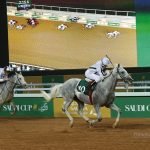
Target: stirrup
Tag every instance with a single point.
(93, 82)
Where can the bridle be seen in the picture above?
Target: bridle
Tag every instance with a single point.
(9, 86)
(13, 82)
(10, 91)
(121, 76)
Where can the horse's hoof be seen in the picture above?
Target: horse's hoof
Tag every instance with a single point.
(12, 113)
(88, 121)
(90, 126)
(100, 119)
(114, 125)
(91, 123)
(71, 124)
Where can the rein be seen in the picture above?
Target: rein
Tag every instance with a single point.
(12, 82)
(122, 77)
(7, 88)
(10, 91)
(5, 85)
(111, 73)
(13, 86)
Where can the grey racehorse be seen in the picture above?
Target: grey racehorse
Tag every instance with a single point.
(7, 88)
(103, 95)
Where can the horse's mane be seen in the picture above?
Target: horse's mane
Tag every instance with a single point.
(110, 72)
(11, 74)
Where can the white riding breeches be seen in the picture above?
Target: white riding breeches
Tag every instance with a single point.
(90, 74)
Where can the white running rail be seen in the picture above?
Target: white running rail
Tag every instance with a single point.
(136, 89)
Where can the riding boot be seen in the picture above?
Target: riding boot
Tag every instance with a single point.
(92, 85)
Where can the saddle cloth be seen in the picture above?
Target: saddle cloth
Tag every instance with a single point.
(85, 87)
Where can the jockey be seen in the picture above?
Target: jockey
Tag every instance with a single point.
(97, 72)
(89, 25)
(3, 74)
(32, 22)
(62, 27)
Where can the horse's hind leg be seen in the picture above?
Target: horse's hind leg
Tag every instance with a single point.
(80, 111)
(65, 110)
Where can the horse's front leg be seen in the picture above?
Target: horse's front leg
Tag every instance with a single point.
(116, 108)
(97, 110)
(13, 107)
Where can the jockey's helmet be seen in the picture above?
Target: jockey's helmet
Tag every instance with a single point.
(7, 69)
(105, 61)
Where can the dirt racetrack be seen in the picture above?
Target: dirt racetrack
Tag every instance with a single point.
(55, 134)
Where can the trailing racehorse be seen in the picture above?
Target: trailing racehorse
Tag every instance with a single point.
(102, 95)
(7, 88)
(113, 34)
(32, 22)
(12, 23)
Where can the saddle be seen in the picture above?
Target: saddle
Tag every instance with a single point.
(86, 86)
(2, 81)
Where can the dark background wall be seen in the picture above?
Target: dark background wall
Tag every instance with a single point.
(4, 56)
(95, 4)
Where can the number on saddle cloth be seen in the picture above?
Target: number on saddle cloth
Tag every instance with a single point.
(85, 87)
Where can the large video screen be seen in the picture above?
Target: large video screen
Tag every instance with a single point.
(73, 38)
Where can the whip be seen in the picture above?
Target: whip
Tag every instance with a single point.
(110, 60)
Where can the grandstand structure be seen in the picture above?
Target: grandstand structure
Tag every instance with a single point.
(116, 18)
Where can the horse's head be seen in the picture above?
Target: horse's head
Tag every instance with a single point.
(18, 79)
(123, 74)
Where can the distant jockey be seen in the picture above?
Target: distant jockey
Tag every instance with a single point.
(62, 27)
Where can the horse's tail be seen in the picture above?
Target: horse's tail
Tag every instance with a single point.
(54, 92)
